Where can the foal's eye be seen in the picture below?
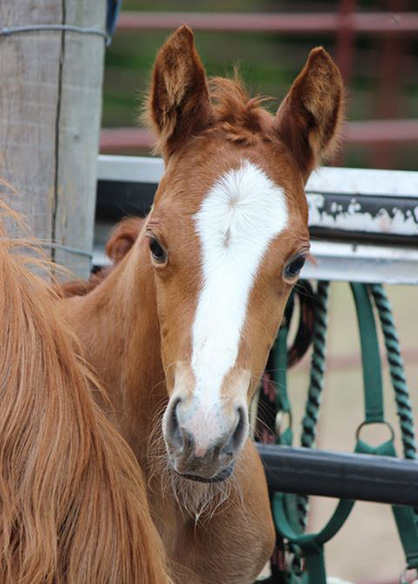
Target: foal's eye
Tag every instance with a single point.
(293, 269)
(158, 253)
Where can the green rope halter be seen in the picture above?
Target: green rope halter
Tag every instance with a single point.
(290, 511)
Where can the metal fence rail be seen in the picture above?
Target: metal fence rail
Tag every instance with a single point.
(361, 477)
(345, 24)
(370, 132)
(362, 23)
(364, 223)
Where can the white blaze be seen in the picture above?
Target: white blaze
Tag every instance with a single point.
(242, 213)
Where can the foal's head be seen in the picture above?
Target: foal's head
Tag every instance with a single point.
(227, 238)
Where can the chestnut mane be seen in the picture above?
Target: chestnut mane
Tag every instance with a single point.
(241, 117)
(73, 506)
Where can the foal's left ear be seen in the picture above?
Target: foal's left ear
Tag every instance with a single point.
(310, 117)
(178, 105)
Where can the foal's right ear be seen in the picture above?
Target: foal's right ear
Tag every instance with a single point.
(178, 105)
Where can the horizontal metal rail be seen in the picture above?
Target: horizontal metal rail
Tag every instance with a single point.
(379, 131)
(351, 262)
(363, 23)
(364, 223)
(344, 476)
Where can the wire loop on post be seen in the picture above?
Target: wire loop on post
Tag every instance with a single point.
(50, 244)
(11, 30)
(67, 248)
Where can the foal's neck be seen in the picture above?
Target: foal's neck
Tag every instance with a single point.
(118, 327)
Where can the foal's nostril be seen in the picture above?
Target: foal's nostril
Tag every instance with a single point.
(239, 433)
(179, 437)
(173, 426)
(236, 439)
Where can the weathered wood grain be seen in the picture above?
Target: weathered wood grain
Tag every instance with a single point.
(50, 107)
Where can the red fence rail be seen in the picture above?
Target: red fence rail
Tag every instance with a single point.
(370, 132)
(370, 22)
(345, 23)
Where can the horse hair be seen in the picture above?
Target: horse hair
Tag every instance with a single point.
(73, 506)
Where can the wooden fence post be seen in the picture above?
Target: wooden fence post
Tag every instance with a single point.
(50, 110)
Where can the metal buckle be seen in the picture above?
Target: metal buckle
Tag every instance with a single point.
(279, 422)
(384, 423)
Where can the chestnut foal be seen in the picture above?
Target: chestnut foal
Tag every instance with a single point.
(180, 330)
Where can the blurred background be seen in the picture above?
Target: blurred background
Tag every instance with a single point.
(375, 44)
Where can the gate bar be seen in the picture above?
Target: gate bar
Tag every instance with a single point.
(367, 220)
(367, 22)
(361, 477)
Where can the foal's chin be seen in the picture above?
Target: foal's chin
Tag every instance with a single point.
(221, 476)
(214, 467)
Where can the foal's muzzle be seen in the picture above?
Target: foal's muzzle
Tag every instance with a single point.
(203, 442)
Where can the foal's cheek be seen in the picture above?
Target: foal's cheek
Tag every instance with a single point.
(268, 330)
(263, 332)
(252, 390)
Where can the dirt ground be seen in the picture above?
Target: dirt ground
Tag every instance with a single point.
(367, 550)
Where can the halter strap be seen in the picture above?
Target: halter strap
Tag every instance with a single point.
(284, 505)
